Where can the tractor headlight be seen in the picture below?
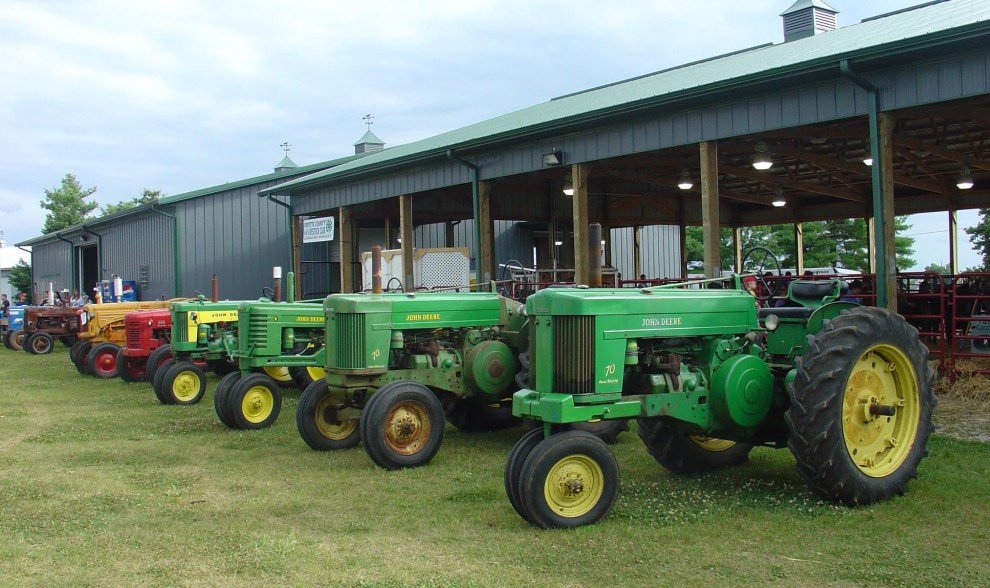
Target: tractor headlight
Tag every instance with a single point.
(771, 322)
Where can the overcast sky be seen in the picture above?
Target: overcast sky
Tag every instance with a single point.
(182, 95)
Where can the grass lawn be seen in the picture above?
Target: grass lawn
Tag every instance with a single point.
(103, 486)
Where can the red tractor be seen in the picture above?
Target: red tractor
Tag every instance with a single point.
(44, 324)
(146, 331)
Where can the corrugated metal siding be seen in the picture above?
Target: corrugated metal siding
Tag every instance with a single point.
(141, 241)
(905, 86)
(512, 240)
(235, 235)
(52, 262)
(660, 252)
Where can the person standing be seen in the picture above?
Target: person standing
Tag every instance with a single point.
(4, 305)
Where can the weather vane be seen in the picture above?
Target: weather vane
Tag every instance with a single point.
(368, 120)
(285, 146)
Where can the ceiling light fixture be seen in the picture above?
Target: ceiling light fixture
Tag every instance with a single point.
(965, 179)
(568, 186)
(778, 198)
(762, 160)
(685, 183)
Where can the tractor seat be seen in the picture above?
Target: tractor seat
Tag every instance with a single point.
(809, 293)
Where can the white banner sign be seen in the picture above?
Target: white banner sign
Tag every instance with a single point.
(318, 229)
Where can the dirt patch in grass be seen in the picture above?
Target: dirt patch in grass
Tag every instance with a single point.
(963, 409)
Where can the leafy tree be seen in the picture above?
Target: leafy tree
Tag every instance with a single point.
(979, 236)
(67, 205)
(147, 197)
(20, 278)
(937, 268)
(841, 243)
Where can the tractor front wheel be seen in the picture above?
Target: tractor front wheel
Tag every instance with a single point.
(131, 369)
(318, 422)
(569, 479)
(39, 343)
(81, 357)
(402, 425)
(102, 360)
(513, 469)
(221, 396)
(15, 339)
(156, 359)
(861, 407)
(183, 383)
(159, 378)
(254, 402)
(682, 453)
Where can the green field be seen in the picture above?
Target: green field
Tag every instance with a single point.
(103, 486)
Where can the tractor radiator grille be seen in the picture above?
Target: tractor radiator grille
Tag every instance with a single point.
(349, 341)
(134, 339)
(258, 331)
(574, 354)
(179, 327)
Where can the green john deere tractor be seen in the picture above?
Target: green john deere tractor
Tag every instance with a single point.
(399, 364)
(708, 376)
(274, 338)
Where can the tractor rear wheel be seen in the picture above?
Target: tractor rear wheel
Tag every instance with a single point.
(39, 343)
(304, 376)
(513, 469)
(254, 402)
(15, 339)
(81, 357)
(569, 479)
(102, 360)
(682, 453)
(474, 415)
(402, 425)
(279, 373)
(156, 359)
(318, 422)
(183, 383)
(158, 379)
(131, 369)
(861, 407)
(221, 395)
(222, 367)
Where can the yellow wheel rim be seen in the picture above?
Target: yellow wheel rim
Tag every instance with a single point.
(257, 404)
(185, 386)
(711, 443)
(327, 423)
(316, 373)
(883, 380)
(278, 373)
(573, 486)
(407, 428)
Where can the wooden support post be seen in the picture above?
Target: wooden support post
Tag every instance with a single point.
(871, 240)
(886, 131)
(709, 209)
(346, 250)
(486, 257)
(682, 240)
(579, 179)
(406, 234)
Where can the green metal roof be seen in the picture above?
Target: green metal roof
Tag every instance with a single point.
(99, 220)
(369, 138)
(896, 33)
(805, 4)
(286, 163)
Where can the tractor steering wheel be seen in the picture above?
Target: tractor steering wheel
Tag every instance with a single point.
(268, 293)
(759, 261)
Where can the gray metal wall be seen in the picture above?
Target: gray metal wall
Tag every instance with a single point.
(140, 242)
(51, 262)
(235, 235)
(660, 251)
(925, 82)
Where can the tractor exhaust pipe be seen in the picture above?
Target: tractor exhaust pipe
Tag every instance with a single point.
(376, 269)
(277, 278)
(215, 284)
(595, 255)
